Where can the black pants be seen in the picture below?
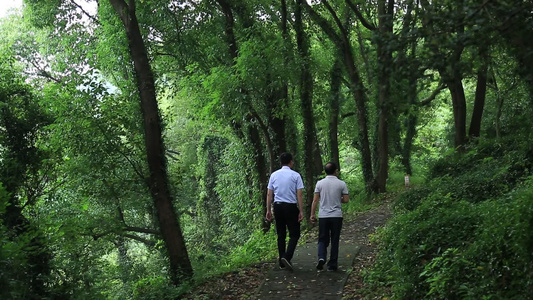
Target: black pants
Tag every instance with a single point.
(329, 229)
(286, 215)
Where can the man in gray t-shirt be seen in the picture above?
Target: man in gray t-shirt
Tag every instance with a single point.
(330, 192)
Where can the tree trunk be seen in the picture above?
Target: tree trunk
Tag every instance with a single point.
(180, 265)
(412, 120)
(260, 169)
(455, 85)
(450, 68)
(334, 113)
(342, 43)
(452, 76)
(384, 55)
(277, 124)
(312, 159)
(479, 104)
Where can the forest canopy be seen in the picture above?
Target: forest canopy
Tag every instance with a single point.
(137, 138)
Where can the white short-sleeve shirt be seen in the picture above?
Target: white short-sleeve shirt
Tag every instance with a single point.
(285, 182)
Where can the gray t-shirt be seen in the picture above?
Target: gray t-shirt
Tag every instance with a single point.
(331, 190)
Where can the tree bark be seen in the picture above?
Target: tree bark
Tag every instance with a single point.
(180, 265)
(334, 109)
(455, 85)
(312, 158)
(342, 42)
(384, 52)
(260, 169)
(479, 103)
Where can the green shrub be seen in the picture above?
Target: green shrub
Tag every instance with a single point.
(412, 240)
(467, 237)
(411, 199)
(498, 264)
(155, 288)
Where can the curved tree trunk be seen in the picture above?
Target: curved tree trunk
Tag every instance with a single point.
(180, 265)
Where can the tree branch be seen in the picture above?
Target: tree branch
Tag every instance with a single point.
(433, 95)
(335, 18)
(84, 12)
(364, 22)
(323, 23)
(140, 239)
(142, 230)
(346, 115)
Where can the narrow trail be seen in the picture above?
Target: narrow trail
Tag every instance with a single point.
(305, 282)
(265, 280)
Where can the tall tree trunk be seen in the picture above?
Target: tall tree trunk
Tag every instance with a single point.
(334, 109)
(291, 134)
(455, 85)
(413, 74)
(481, 91)
(180, 265)
(412, 118)
(260, 169)
(360, 98)
(342, 42)
(453, 77)
(312, 158)
(210, 204)
(450, 67)
(384, 54)
(276, 123)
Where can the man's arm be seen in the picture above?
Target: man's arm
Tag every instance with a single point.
(269, 205)
(316, 199)
(299, 195)
(345, 198)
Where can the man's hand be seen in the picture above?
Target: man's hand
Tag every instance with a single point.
(313, 219)
(269, 216)
(300, 216)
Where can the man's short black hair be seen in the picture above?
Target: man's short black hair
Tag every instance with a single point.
(285, 158)
(330, 168)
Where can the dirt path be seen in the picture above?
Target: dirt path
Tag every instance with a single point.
(267, 281)
(308, 283)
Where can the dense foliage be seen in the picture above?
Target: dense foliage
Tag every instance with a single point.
(466, 232)
(136, 139)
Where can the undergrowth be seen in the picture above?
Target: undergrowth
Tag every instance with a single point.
(464, 234)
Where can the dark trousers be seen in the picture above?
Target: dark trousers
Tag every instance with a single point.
(329, 229)
(286, 215)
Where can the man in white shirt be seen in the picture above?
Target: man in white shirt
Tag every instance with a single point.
(285, 188)
(331, 192)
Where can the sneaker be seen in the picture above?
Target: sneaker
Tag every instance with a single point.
(320, 264)
(286, 264)
(332, 269)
